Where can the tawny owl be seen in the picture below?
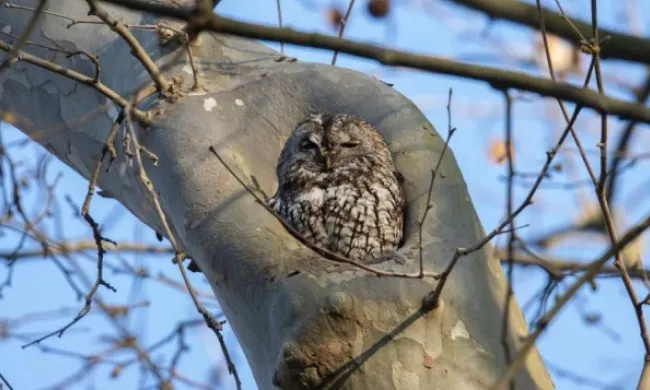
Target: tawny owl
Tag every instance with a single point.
(338, 187)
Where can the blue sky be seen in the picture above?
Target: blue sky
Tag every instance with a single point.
(607, 350)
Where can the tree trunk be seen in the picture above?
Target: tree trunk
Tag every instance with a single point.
(303, 321)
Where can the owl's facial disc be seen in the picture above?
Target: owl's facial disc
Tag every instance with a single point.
(341, 147)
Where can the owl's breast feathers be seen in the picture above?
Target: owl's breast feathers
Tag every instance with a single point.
(356, 216)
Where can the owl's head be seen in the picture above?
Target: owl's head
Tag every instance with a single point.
(322, 143)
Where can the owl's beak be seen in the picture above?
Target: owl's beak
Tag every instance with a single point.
(327, 159)
(328, 162)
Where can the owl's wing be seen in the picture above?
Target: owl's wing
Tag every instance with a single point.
(400, 178)
(402, 206)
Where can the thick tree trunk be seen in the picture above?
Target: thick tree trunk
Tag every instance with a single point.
(303, 321)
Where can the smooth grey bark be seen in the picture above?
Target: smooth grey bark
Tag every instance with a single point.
(303, 321)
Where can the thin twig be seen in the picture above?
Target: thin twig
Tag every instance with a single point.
(93, 58)
(594, 268)
(563, 108)
(31, 230)
(179, 255)
(566, 18)
(85, 211)
(602, 199)
(561, 267)
(99, 239)
(32, 43)
(108, 145)
(627, 47)
(136, 49)
(5, 381)
(25, 8)
(591, 270)
(185, 38)
(343, 24)
(434, 173)
(434, 297)
(114, 313)
(279, 7)
(624, 141)
(195, 72)
(505, 326)
(581, 380)
(213, 324)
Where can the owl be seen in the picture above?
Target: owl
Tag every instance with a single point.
(338, 188)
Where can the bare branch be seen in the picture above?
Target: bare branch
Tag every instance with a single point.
(434, 297)
(83, 246)
(137, 49)
(179, 254)
(5, 381)
(624, 46)
(591, 271)
(505, 326)
(494, 76)
(434, 173)
(279, 7)
(343, 24)
(622, 146)
(214, 325)
(602, 198)
(563, 108)
(99, 239)
(561, 266)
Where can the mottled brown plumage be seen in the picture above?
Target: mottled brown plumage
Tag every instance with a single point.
(339, 189)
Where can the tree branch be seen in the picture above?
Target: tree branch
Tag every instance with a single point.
(496, 77)
(561, 266)
(137, 49)
(622, 46)
(83, 246)
(591, 270)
